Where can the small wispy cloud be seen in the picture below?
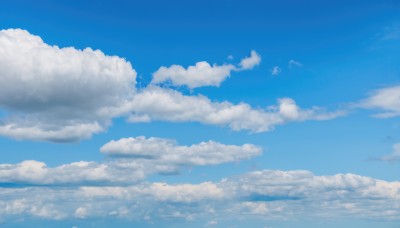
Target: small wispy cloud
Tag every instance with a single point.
(276, 70)
(385, 100)
(392, 157)
(391, 32)
(294, 63)
(386, 37)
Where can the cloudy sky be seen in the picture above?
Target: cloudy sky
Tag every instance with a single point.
(199, 113)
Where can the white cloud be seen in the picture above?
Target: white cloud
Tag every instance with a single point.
(155, 103)
(301, 184)
(267, 194)
(294, 63)
(37, 173)
(250, 62)
(58, 94)
(20, 129)
(186, 193)
(202, 74)
(386, 99)
(275, 193)
(276, 70)
(15, 206)
(140, 202)
(167, 151)
(81, 212)
(130, 160)
(300, 193)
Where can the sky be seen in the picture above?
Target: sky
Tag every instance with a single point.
(199, 113)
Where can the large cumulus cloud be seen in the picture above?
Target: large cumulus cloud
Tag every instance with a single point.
(58, 94)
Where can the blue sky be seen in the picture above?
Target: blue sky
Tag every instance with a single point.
(199, 113)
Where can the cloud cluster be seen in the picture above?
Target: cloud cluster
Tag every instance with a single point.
(274, 193)
(58, 94)
(128, 160)
(271, 185)
(266, 194)
(155, 103)
(202, 73)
